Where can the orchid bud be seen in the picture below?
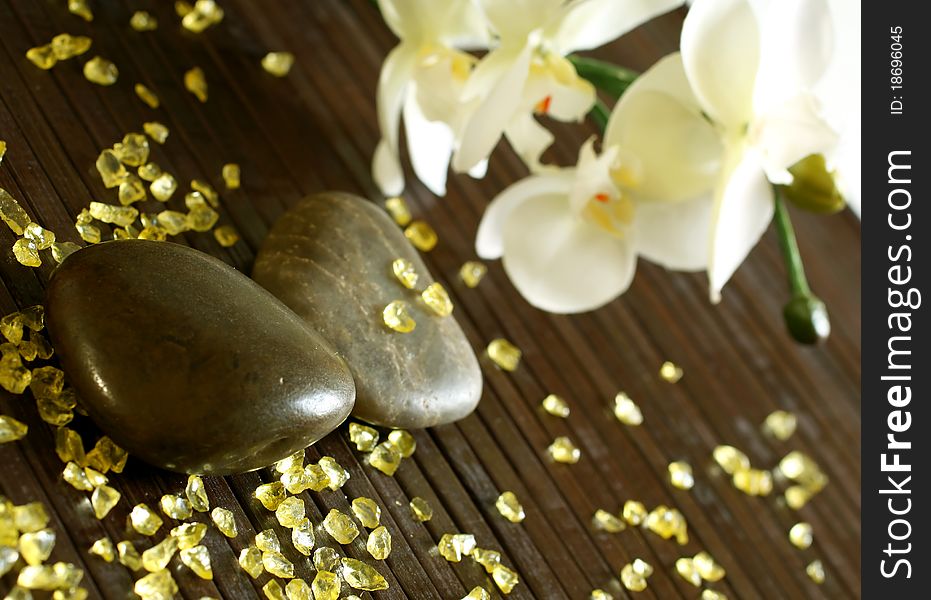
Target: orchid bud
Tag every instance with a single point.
(807, 319)
(813, 187)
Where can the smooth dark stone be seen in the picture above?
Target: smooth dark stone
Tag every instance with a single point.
(329, 259)
(187, 363)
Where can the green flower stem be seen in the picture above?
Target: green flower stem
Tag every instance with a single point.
(607, 77)
(599, 114)
(806, 316)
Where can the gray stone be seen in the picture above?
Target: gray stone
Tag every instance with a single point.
(329, 258)
(187, 363)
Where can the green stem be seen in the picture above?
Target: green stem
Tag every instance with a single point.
(607, 77)
(599, 114)
(787, 242)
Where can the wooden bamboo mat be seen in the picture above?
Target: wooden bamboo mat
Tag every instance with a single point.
(315, 130)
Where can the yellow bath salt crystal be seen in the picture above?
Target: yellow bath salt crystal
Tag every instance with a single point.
(397, 317)
(41, 237)
(75, 476)
(505, 578)
(302, 537)
(290, 512)
(361, 576)
(504, 354)
(271, 494)
(555, 406)
(12, 213)
(225, 522)
(101, 71)
(103, 500)
(133, 151)
(156, 586)
(335, 472)
(298, 589)
(403, 441)
(158, 556)
(403, 269)
(707, 567)
(81, 9)
(146, 95)
(378, 543)
(106, 456)
(132, 190)
(144, 520)
(294, 481)
(155, 130)
(315, 478)
(111, 170)
(800, 467)
(325, 586)
(472, 272)
(326, 559)
(487, 558)
(197, 559)
(149, 172)
(226, 236)
(666, 522)
(626, 410)
(117, 215)
(421, 235)
(37, 577)
(182, 8)
(386, 458)
(608, 522)
(267, 540)
(367, 511)
(2, 150)
(436, 297)
(753, 482)
(128, 555)
(163, 187)
(14, 377)
(194, 490)
(66, 46)
(730, 459)
(11, 326)
(477, 593)
(231, 176)
(421, 509)
(291, 462)
(250, 559)
(196, 83)
(204, 14)
(453, 546)
(276, 564)
(189, 534)
(670, 372)
(801, 535)
(278, 63)
(632, 580)
(104, 549)
(797, 496)
(780, 424)
(398, 210)
(35, 547)
(686, 569)
(815, 571)
(680, 475)
(26, 253)
(194, 200)
(272, 591)
(143, 21)
(95, 477)
(562, 450)
(599, 594)
(364, 437)
(207, 191)
(202, 218)
(42, 56)
(340, 527)
(510, 507)
(712, 595)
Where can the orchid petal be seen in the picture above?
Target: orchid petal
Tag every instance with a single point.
(529, 139)
(386, 170)
(396, 72)
(721, 53)
(560, 263)
(587, 24)
(675, 235)
(489, 239)
(795, 49)
(429, 145)
(484, 127)
(658, 121)
(743, 210)
(789, 133)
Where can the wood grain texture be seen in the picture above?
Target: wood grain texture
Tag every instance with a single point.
(316, 130)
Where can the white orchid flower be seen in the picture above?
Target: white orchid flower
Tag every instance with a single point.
(423, 77)
(721, 122)
(527, 73)
(569, 238)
